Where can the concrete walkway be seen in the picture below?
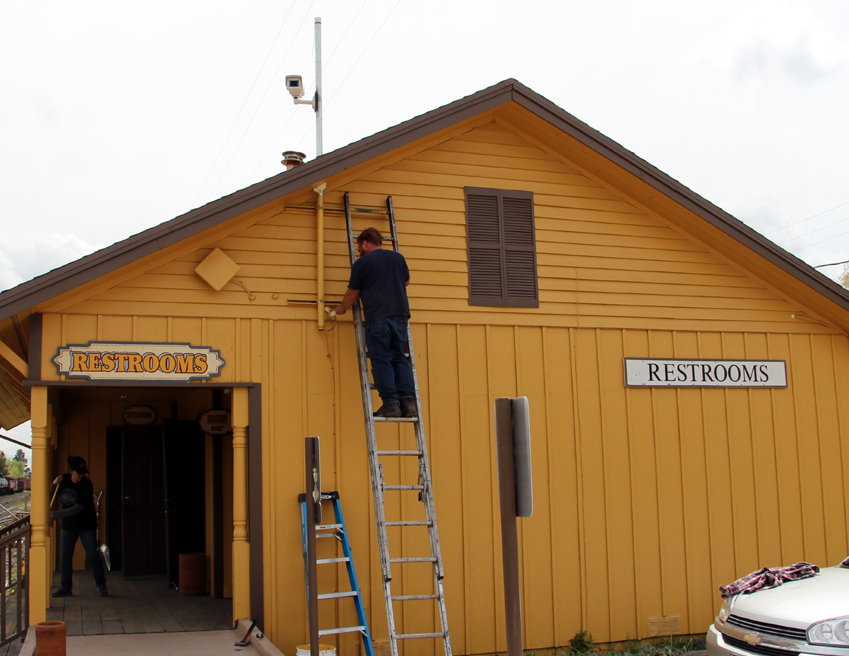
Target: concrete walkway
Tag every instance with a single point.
(189, 643)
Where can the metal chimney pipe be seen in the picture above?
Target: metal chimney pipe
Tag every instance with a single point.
(292, 158)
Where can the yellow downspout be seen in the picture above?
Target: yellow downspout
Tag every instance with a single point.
(241, 545)
(39, 571)
(319, 250)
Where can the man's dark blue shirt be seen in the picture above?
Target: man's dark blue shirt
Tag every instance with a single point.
(381, 277)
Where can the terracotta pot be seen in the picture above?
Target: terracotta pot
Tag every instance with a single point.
(50, 639)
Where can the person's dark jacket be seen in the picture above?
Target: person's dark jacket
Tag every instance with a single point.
(77, 500)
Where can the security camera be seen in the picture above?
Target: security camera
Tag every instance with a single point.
(295, 86)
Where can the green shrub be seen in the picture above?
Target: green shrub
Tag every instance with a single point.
(581, 643)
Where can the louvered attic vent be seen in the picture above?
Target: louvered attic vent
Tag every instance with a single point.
(502, 248)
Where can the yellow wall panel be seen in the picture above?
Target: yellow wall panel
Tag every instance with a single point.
(594, 501)
(559, 442)
(808, 448)
(644, 503)
(536, 536)
(479, 490)
(618, 485)
(831, 470)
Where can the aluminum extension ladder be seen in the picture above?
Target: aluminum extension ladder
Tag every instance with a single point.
(338, 531)
(380, 487)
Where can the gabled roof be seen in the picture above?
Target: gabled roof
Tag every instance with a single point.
(42, 288)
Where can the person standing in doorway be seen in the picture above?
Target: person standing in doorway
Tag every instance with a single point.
(379, 278)
(79, 520)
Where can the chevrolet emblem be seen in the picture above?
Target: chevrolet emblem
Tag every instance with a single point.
(752, 639)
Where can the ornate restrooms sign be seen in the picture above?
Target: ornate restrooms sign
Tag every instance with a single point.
(135, 361)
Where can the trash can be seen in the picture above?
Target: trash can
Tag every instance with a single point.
(193, 573)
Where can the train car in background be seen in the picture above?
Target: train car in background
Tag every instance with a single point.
(15, 485)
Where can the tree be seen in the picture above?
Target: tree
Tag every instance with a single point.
(4, 465)
(16, 468)
(844, 277)
(20, 456)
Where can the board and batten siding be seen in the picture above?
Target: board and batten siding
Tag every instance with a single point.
(645, 499)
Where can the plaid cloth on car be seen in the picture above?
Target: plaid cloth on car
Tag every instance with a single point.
(768, 577)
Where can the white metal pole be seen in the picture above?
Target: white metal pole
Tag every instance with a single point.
(318, 100)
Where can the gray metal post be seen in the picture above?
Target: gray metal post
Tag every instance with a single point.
(318, 100)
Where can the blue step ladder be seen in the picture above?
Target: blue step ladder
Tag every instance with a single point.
(338, 531)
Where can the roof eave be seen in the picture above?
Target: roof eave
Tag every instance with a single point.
(679, 193)
(49, 285)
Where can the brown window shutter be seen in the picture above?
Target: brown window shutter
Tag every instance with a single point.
(519, 249)
(501, 247)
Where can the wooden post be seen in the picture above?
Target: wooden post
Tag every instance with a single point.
(313, 498)
(509, 538)
(40, 571)
(241, 546)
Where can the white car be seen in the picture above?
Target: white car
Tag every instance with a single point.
(809, 616)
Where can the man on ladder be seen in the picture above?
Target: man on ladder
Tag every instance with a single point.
(379, 278)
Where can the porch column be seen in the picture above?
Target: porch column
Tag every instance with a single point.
(39, 571)
(241, 546)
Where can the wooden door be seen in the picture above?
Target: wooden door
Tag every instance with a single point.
(143, 501)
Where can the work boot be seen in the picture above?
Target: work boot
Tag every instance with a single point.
(101, 590)
(408, 407)
(392, 409)
(62, 592)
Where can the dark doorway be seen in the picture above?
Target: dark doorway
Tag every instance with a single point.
(185, 469)
(155, 497)
(143, 502)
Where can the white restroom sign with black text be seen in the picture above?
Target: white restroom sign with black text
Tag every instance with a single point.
(657, 372)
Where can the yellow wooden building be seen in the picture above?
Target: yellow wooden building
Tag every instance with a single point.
(685, 378)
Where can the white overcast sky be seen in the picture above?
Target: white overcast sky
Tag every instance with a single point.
(117, 116)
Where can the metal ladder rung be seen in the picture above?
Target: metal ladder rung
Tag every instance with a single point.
(328, 527)
(414, 636)
(326, 561)
(413, 560)
(398, 420)
(403, 487)
(337, 595)
(388, 238)
(414, 597)
(398, 452)
(341, 629)
(369, 210)
(423, 522)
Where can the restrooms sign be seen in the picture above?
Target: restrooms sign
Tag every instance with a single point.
(704, 373)
(134, 361)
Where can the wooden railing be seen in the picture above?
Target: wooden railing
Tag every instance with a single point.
(14, 610)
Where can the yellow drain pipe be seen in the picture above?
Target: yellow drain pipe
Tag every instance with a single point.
(319, 250)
